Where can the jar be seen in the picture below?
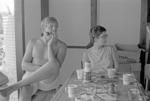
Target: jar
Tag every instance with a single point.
(87, 72)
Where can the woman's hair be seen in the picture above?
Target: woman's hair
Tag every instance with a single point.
(95, 32)
(46, 21)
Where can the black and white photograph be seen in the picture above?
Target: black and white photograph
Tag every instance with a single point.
(74, 50)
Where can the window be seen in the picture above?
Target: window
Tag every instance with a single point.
(7, 43)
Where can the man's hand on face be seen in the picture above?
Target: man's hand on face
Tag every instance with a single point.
(52, 40)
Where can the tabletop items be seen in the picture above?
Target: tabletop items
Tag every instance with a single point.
(128, 78)
(111, 72)
(111, 85)
(86, 73)
(135, 95)
(104, 87)
(71, 90)
(80, 73)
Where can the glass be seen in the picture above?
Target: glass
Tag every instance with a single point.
(134, 95)
(71, 90)
(128, 78)
(111, 72)
(79, 74)
(87, 93)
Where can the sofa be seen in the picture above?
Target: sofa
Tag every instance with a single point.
(128, 57)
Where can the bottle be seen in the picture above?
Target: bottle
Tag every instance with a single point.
(87, 72)
(112, 88)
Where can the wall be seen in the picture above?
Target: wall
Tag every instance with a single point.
(72, 62)
(74, 24)
(32, 19)
(18, 36)
(121, 18)
(74, 18)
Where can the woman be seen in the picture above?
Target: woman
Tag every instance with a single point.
(42, 62)
(100, 55)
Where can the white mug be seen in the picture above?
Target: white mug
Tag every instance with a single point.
(87, 67)
(127, 78)
(71, 90)
(80, 74)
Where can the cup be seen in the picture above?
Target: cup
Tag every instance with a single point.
(71, 90)
(87, 67)
(134, 95)
(80, 74)
(127, 78)
(111, 72)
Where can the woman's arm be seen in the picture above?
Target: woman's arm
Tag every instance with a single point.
(85, 58)
(27, 64)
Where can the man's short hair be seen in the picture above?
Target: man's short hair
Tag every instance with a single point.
(46, 21)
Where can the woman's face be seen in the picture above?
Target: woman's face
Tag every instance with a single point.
(51, 29)
(102, 39)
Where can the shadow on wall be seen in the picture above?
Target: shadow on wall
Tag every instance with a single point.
(72, 62)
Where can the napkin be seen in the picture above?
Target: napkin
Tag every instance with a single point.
(85, 97)
(107, 97)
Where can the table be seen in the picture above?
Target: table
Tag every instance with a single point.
(123, 91)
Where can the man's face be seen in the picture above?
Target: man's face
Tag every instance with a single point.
(51, 29)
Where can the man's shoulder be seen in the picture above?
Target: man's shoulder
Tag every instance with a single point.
(62, 44)
(33, 41)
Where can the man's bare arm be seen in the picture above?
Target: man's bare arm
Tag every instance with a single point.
(27, 64)
(62, 54)
(50, 70)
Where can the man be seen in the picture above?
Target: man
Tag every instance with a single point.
(42, 62)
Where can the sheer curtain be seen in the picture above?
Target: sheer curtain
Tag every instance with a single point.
(7, 43)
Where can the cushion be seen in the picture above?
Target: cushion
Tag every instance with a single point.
(128, 57)
(127, 47)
